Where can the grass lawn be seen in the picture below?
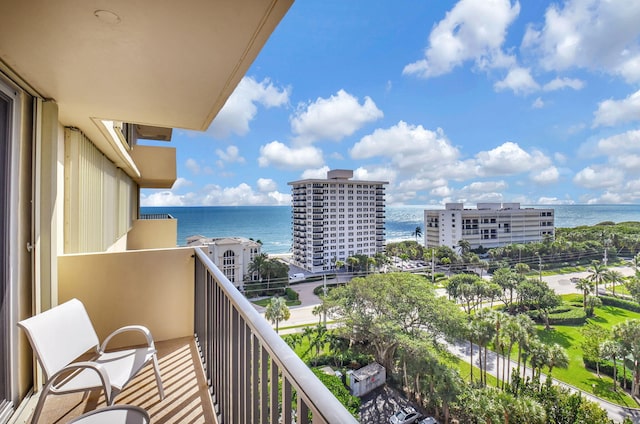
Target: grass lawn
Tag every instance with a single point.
(265, 302)
(464, 368)
(577, 375)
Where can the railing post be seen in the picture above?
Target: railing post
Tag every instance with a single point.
(247, 363)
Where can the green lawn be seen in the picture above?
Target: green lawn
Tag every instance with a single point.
(577, 375)
(464, 368)
(265, 302)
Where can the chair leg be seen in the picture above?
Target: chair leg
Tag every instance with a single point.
(43, 395)
(156, 370)
(38, 410)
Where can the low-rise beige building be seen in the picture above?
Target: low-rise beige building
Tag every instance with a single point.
(232, 255)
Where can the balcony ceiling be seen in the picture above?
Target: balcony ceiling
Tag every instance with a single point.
(163, 63)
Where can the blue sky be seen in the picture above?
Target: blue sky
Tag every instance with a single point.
(534, 101)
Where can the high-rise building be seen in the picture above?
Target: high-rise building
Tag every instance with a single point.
(490, 225)
(335, 218)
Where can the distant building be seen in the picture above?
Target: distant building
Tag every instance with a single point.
(336, 218)
(232, 255)
(490, 225)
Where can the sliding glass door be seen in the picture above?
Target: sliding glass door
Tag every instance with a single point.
(6, 113)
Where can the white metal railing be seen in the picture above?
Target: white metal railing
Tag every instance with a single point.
(253, 374)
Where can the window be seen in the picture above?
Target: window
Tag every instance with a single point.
(229, 265)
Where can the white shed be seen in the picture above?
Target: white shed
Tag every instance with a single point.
(366, 379)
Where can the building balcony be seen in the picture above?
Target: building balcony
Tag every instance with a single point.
(153, 231)
(157, 166)
(220, 361)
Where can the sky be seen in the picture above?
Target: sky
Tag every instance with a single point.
(529, 101)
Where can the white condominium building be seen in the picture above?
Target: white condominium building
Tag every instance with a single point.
(490, 225)
(336, 218)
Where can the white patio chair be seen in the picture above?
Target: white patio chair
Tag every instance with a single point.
(63, 333)
(116, 414)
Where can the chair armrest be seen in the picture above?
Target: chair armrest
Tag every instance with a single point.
(99, 369)
(137, 328)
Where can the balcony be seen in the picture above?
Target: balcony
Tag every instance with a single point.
(235, 369)
(157, 166)
(153, 231)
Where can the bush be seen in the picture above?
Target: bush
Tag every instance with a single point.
(291, 294)
(572, 316)
(606, 368)
(320, 289)
(335, 386)
(620, 303)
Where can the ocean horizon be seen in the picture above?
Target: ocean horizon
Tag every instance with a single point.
(272, 224)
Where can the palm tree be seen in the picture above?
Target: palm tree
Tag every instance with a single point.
(417, 232)
(521, 268)
(614, 277)
(257, 265)
(612, 350)
(587, 287)
(464, 246)
(526, 331)
(539, 356)
(352, 261)
(557, 357)
(339, 264)
(484, 266)
(596, 273)
(276, 311)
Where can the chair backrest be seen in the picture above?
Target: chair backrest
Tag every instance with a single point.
(60, 335)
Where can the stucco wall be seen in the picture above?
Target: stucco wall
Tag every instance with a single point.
(149, 287)
(152, 234)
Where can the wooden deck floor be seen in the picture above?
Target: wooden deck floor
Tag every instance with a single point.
(186, 394)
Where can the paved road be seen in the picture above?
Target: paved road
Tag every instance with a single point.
(562, 284)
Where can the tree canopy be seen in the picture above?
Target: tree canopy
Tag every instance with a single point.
(380, 309)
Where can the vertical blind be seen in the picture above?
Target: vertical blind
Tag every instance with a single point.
(100, 199)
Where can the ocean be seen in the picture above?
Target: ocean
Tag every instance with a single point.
(272, 224)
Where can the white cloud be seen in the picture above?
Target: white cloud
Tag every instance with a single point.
(230, 155)
(518, 80)
(553, 201)
(537, 103)
(408, 146)
(472, 30)
(165, 198)
(560, 83)
(240, 195)
(598, 177)
(181, 183)
(509, 158)
(612, 112)
(314, 174)
(193, 166)
(240, 108)
(265, 185)
(592, 34)
(332, 119)
(375, 174)
(284, 157)
(442, 191)
(482, 187)
(620, 144)
(545, 176)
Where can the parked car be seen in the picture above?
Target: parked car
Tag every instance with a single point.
(406, 415)
(428, 420)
